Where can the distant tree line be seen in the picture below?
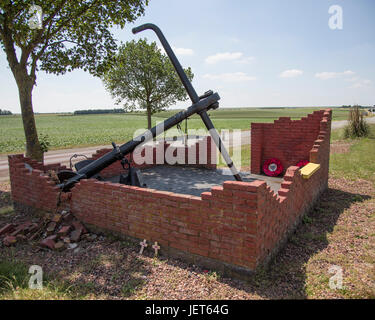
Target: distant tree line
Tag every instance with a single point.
(99, 111)
(349, 106)
(5, 112)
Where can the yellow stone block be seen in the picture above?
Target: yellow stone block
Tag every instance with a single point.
(308, 170)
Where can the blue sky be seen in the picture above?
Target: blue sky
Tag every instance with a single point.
(253, 53)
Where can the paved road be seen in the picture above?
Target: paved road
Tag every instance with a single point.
(55, 156)
(342, 123)
(63, 156)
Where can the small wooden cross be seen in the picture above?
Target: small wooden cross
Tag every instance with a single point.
(143, 245)
(156, 247)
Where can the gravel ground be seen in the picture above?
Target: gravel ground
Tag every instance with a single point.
(194, 181)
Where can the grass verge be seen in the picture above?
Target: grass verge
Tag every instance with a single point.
(359, 163)
(14, 284)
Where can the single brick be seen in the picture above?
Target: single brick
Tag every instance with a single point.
(7, 229)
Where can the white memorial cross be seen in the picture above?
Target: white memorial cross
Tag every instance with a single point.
(156, 248)
(143, 245)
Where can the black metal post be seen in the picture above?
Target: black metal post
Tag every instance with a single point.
(192, 94)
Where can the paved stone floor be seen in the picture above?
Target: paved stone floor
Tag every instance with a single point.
(194, 181)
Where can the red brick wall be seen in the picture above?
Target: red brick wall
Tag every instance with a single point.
(217, 225)
(209, 150)
(288, 140)
(279, 213)
(34, 189)
(239, 224)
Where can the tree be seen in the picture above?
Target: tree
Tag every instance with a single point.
(69, 35)
(357, 126)
(144, 78)
(5, 112)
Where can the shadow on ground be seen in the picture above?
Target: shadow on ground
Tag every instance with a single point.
(5, 198)
(118, 274)
(285, 276)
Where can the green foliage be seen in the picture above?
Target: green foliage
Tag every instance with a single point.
(262, 114)
(359, 162)
(14, 284)
(131, 286)
(307, 219)
(357, 126)
(12, 273)
(74, 34)
(84, 130)
(5, 112)
(6, 210)
(44, 142)
(68, 35)
(144, 78)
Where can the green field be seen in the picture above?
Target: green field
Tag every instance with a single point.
(359, 162)
(84, 130)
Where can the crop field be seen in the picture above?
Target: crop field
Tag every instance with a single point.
(65, 130)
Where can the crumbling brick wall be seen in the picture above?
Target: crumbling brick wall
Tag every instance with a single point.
(30, 184)
(288, 140)
(279, 213)
(212, 226)
(32, 187)
(239, 224)
(233, 228)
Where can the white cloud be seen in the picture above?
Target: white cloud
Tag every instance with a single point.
(331, 75)
(183, 51)
(230, 77)
(348, 75)
(228, 56)
(361, 83)
(291, 73)
(353, 79)
(245, 60)
(326, 75)
(348, 72)
(178, 51)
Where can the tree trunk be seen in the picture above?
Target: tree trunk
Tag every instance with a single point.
(25, 88)
(149, 123)
(25, 84)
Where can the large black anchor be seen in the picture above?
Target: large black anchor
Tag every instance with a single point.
(201, 104)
